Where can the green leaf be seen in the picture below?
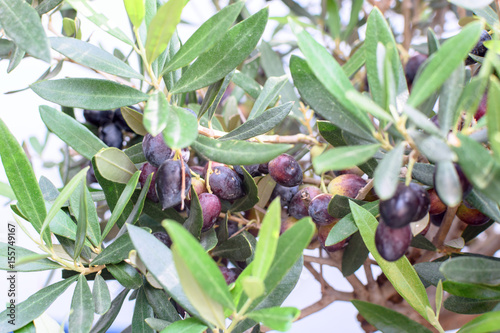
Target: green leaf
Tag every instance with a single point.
(489, 15)
(22, 24)
(493, 116)
(100, 295)
(468, 290)
(142, 311)
(479, 166)
(484, 204)
(182, 128)
(199, 264)
(221, 59)
(444, 62)
(321, 101)
(472, 270)
(160, 302)
(448, 184)
(115, 252)
(92, 56)
(114, 165)
(276, 318)
(367, 105)
(339, 205)
(268, 240)
(214, 95)
(121, 204)
(64, 196)
(238, 248)
(290, 247)
(20, 254)
(22, 180)
(386, 176)
(249, 85)
(105, 321)
(159, 262)
(194, 222)
(469, 306)
(331, 133)
(354, 256)
(135, 153)
(112, 192)
(268, 94)
(72, 132)
(209, 309)
(344, 157)
(328, 72)
(93, 227)
(92, 94)
(82, 307)
(126, 275)
(422, 121)
(471, 5)
(35, 305)
(162, 27)
(355, 61)
(82, 221)
(449, 99)
(134, 120)
(235, 152)
(347, 227)
(400, 273)
(6, 191)
(387, 320)
(205, 36)
(99, 19)
(261, 124)
(136, 10)
(436, 149)
(189, 325)
(139, 204)
(489, 322)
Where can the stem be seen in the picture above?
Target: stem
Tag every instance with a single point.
(239, 316)
(142, 52)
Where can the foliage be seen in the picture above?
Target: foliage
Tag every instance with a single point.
(223, 97)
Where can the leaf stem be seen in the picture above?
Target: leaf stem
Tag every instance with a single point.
(142, 52)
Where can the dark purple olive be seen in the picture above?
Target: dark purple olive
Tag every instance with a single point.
(211, 208)
(252, 169)
(323, 232)
(146, 170)
(163, 237)
(230, 274)
(391, 243)
(225, 183)
(111, 135)
(479, 49)
(424, 202)
(412, 67)
(156, 150)
(285, 193)
(169, 183)
(299, 205)
(98, 118)
(399, 211)
(285, 170)
(264, 168)
(318, 210)
(471, 216)
(120, 121)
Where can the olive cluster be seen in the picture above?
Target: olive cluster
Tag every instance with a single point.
(110, 124)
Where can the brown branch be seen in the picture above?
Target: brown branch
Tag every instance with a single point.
(297, 138)
(321, 261)
(445, 226)
(407, 33)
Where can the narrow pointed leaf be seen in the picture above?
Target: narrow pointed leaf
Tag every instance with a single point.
(493, 116)
(162, 27)
(235, 152)
(269, 93)
(126, 275)
(387, 320)
(209, 309)
(136, 10)
(189, 325)
(134, 120)
(121, 203)
(217, 62)
(142, 311)
(205, 37)
(489, 322)
(22, 24)
(277, 318)
(442, 63)
(64, 196)
(92, 56)
(400, 273)
(35, 305)
(115, 252)
(354, 256)
(68, 129)
(194, 222)
(84, 7)
(268, 240)
(261, 124)
(82, 221)
(449, 99)
(82, 307)
(101, 295)
(93, 227)
(92, 94)
(328, 72)
(214, 95)
(387, 173)
(448, 184)
(472, 270)
(344, 157)
(22, 253)
(22, 180)
(367, 105)
(161, 304)
(199, 263)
